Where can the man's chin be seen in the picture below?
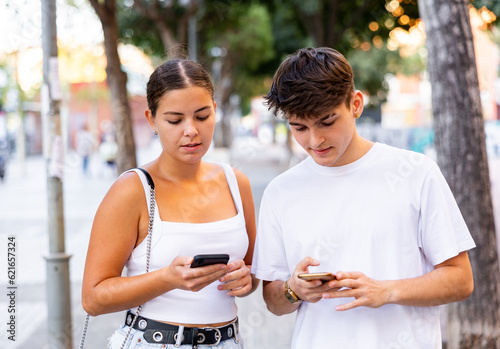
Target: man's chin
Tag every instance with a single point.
(326, 161)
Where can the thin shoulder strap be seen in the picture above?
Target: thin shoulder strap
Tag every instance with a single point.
(148, 177)
(148, 185)
(233, 185)
(149, 242)
(148, 258)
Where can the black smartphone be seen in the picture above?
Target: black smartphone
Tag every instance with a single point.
(201, 260)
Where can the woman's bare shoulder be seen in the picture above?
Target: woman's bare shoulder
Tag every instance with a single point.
(126, 190)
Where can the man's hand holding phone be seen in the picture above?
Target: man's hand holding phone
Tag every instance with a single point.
(309, 286)
(323, 276)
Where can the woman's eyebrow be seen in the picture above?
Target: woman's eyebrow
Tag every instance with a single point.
(202, 108)
(178, 113)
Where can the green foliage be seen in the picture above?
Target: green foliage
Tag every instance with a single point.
(8, 73)
(138, 31)
(248, 37)
(338, 24)
(370, 70)
(298, 23)
(493, 28)
(368, 76)
(492, 5)
(244, 30)
(288, 32)
(249, 85)
(259, 34)
(409, 65)
(3, 89)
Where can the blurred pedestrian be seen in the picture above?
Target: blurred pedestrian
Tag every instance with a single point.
(200, 208)
(84, 146)
(108, 150)
(381, 220)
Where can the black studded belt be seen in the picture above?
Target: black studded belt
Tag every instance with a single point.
(162, 333)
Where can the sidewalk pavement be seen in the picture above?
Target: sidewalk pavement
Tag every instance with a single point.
(23, 214)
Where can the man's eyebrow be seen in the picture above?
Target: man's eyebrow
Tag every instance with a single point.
(320, 120)
(177, 113)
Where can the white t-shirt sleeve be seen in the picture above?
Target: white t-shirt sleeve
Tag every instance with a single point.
(443, 233)
(269, 259)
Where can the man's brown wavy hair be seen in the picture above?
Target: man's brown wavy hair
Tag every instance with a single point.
(311, 82)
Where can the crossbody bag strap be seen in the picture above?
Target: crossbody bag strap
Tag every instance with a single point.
(148, 257)
(148, 178)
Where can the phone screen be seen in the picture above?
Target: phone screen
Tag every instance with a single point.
(317, 276)
(202, 260)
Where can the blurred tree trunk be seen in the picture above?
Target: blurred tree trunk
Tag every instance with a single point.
(225, 88)
(117, 81)
(461, 150)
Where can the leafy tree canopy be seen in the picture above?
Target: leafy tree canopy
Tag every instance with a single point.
(135, 29)
(260, 33)
(245, 32)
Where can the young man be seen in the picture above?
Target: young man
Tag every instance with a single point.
(382, 219)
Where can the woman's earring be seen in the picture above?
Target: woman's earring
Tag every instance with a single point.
(155, 133)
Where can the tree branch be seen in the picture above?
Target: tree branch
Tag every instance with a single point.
(98, 8)
(313, 25)
(166, 34)
(184, 20)
(147, 11)
(331, 20)
(104, 9)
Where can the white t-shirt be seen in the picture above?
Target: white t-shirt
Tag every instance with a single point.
(389, 215)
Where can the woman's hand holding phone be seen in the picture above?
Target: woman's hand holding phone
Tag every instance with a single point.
(238, 280)
(201, 260)
(181, 275)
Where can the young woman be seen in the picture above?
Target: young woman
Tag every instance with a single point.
(200, 208)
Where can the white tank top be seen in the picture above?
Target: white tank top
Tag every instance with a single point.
(172, 239)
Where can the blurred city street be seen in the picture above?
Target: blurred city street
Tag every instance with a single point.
(80, 74)
(23, 214)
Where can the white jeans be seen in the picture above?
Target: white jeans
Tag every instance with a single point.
(135, 341)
